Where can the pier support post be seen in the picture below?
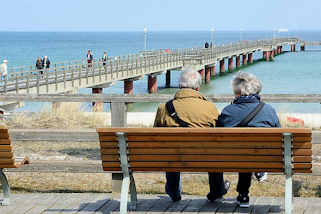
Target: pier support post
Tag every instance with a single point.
(238, 61)
(230, 64)
(128, 86)
(222, 66)
(152, 84)
(213, 71)
(250, 58)
(271, 55)
(202, 73)
(207, 74)
(244, 59)
(168, 79)
(267, 55)
(302, 47)
(97, 106)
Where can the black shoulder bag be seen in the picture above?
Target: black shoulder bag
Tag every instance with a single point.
(251, 116)
(172, 112)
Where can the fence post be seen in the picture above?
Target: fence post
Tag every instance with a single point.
(56, 77)
(118, 119)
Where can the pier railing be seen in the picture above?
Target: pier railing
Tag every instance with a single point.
(61, 77)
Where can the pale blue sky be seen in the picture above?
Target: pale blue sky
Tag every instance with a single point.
(127, 15)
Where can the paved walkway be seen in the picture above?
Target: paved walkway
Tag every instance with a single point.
(88, 203)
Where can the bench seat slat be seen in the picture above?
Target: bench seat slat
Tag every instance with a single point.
(6, 148)
(111, 169)
(214, 158)
(244, 158)
(205, 151)
(185, 138)
(4, 135)
(5, 142)
(111, 131)
(6, 154)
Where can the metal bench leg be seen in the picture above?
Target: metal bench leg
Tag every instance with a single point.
(288, 194)
(133, 193)
(5, 188)
(287, 143)
(124, 194)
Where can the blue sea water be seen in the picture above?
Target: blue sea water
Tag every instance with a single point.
(298, 72)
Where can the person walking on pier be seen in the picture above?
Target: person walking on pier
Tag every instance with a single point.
(39, 66)
(246, 88)
(4, 69)
(90, 58)
(46, 63)
(104, 59)
(190, 109)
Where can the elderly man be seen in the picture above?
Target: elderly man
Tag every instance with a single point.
(192, 110)
(246, 88)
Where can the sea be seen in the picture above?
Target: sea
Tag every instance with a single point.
(294, 73)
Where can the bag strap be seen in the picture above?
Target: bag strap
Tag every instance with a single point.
(172, 112)
(251, 116)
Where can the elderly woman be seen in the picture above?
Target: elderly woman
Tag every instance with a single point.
(246, 88)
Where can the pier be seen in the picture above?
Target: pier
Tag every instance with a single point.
(70, 76)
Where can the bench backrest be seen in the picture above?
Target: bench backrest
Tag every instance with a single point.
(7, 159)
(206, 150)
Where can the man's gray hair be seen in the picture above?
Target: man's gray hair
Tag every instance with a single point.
(246, 84)
(190, 79)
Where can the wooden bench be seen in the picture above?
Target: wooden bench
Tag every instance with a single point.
(7, 160)
(129, 150)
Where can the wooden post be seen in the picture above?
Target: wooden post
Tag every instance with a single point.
(28, 83)
(47, 82)
(38, 79)
(17, 85)
(79, 75)
(56, 77)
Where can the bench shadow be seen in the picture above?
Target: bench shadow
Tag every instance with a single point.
(164, 204)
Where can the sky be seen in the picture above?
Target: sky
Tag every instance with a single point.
(159, 15)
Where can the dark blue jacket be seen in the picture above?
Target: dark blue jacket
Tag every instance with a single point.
(234, 113)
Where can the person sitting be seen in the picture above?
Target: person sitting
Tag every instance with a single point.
(193, 110)
(246, 88)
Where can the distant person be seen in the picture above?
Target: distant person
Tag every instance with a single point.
(211, 45)
(246, 88)
(39, 65)
(90, 58)
(46, 63)
(206, 44)
(104, 59)
(4, 69)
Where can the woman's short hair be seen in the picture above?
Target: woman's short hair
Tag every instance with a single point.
(190, 79)
(246, 84)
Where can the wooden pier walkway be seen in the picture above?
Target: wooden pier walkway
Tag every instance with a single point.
(89, 203)
(71, 76)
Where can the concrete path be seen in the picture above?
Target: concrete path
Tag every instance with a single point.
(88, 203)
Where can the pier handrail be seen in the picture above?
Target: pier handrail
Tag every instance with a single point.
(129, 66)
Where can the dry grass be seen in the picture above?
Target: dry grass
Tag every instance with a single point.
(67, 116)
(153, 183)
